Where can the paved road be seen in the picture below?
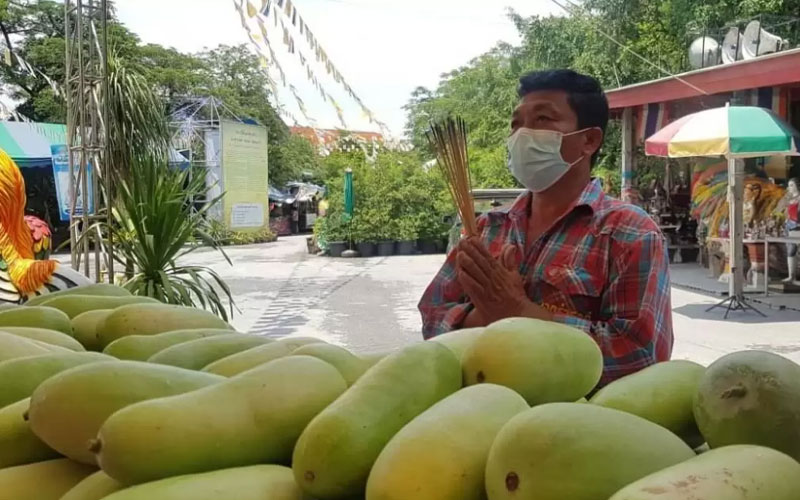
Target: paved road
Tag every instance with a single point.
(370, 304)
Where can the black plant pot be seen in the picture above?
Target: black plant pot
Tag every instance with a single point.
(366, 249)
(428, 246)
(335, 248)
(385, 248)
(406, 247)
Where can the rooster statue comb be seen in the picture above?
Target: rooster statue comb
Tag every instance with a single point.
(21, 275)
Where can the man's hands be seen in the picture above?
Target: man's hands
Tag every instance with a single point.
(494, 286)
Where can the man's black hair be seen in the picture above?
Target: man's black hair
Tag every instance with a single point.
(584, 94)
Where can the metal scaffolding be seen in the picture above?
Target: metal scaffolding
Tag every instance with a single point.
(87, 114)
(197, 133)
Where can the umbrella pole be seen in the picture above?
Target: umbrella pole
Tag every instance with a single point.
(736, 300)
(736, 220)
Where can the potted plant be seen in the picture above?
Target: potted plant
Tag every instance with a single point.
(432, 231)
(337, 234)
(363, 234)
(406, 234)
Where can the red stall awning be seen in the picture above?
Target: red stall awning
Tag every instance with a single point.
(781, 68)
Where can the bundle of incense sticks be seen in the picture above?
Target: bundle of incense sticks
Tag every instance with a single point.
(448, 138)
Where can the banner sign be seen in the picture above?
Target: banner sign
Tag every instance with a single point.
(60, 155)
(245, 177)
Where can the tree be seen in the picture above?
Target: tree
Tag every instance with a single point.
(484, 94)
(33, 31)
(233, 75)
(659, 31)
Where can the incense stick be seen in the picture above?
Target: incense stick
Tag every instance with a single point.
(448, 139)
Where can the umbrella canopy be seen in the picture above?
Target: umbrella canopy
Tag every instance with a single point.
(349, 196)
(735, 132)
(731, 131)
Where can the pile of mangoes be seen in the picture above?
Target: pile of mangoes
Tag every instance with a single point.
(108, 396)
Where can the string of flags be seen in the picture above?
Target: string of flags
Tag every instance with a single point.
(11, 60)
(286, 20)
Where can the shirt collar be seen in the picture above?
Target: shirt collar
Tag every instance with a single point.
(592, 196)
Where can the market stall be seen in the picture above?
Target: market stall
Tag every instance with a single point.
(734, 133)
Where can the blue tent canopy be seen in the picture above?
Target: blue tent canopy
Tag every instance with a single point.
(28, 144)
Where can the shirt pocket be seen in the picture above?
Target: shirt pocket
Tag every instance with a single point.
(574, 291)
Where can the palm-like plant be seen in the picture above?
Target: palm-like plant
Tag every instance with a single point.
(137, 120)
(157, 224)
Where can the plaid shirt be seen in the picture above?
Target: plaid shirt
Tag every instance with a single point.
(603, 268)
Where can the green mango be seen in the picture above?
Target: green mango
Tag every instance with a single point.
(84, 328)
(336, 451)
(19, 377)
(662, 393)
(742, 472)
(249, 419)
(43, 480)
(13, 346)
(18, 444)
(67, 410)
(150, 319)
(441, 454)
(199, 353)
(372, 358)
(751, 397)
(4, 306)
(577, 451)
(257, 482)
(95, 487)
(36, 317)
(543, 361)
(74, 304)
(96, 289)
(349, 365)
(245, 359)
(142, 347)
(51, 337)
(459, 341)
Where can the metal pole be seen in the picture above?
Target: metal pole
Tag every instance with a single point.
(735, 201)
(109, 194)
(70, 128)
(628, 159)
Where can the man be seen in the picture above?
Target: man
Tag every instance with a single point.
(564, 251)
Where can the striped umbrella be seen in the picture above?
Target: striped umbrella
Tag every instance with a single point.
(732, 132)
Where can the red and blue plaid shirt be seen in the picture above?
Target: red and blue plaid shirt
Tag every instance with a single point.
(603, 268)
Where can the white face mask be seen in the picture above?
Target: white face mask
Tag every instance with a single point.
(535, 157)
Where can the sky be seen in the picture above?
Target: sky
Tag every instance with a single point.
(383, 48)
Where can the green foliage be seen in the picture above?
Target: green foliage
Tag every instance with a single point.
(224, 236)
(157, 226)
(137, 123)
(291, 160)
(483, 91)
(34, 31)
(396, 198)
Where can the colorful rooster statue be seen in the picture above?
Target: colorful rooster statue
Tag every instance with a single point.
(21, 275)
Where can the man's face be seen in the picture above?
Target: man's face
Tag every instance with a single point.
(550, 110)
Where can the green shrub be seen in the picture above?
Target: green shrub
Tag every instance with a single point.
(396, 198)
